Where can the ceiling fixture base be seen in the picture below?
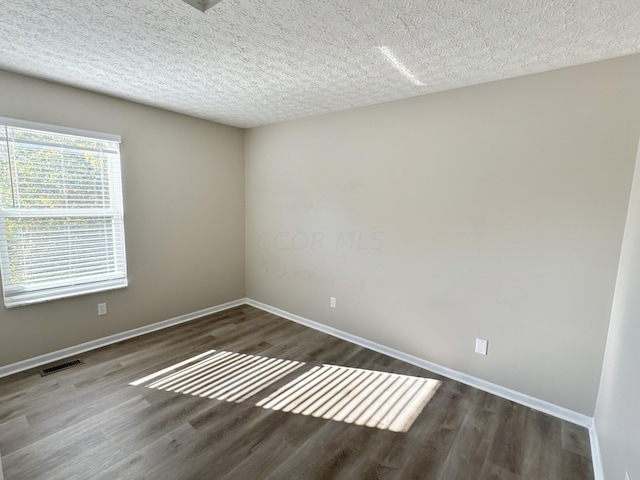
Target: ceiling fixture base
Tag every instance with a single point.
(202, 5)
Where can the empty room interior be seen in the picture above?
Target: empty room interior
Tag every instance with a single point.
(279, 239)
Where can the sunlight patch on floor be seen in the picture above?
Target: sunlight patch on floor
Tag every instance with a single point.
(374, 399)
(228, 376)
(370, 398)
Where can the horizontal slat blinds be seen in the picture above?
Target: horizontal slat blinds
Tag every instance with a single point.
(61, 214)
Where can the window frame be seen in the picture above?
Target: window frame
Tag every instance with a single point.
(80, 285)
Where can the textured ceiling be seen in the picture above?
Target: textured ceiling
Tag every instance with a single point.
(254, 62)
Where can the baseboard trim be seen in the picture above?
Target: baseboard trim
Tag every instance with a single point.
(596, 456)
(118, 337)
(521, 398)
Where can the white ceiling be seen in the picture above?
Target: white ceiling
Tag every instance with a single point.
(254, 62)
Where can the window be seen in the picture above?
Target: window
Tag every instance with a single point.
(61, 216)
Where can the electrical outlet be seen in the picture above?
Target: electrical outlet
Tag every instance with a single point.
(481, 346)
(102, 309)
(332, 302)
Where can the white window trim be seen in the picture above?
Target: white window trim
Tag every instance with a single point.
(65, 289)
(14, 122)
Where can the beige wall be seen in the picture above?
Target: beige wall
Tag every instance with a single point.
(183, 182)
(494, 211)
(616, 418)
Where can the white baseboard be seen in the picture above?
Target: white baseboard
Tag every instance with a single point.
(532, 402)
(118, 337)
(596, 457)
(521, 398)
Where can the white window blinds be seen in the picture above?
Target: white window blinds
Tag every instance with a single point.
(61, 215)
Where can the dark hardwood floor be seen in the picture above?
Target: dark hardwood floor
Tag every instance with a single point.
(89, 422)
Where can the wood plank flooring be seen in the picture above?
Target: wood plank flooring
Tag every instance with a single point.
(88, 422)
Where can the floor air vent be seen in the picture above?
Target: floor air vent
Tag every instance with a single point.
(60, 366)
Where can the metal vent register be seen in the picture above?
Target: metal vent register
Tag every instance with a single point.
(60, 366)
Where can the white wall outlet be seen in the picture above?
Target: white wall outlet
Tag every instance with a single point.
(332, 302)
(481, 346)
(102, 309)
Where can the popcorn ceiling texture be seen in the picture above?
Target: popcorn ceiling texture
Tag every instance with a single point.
(254, 62)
